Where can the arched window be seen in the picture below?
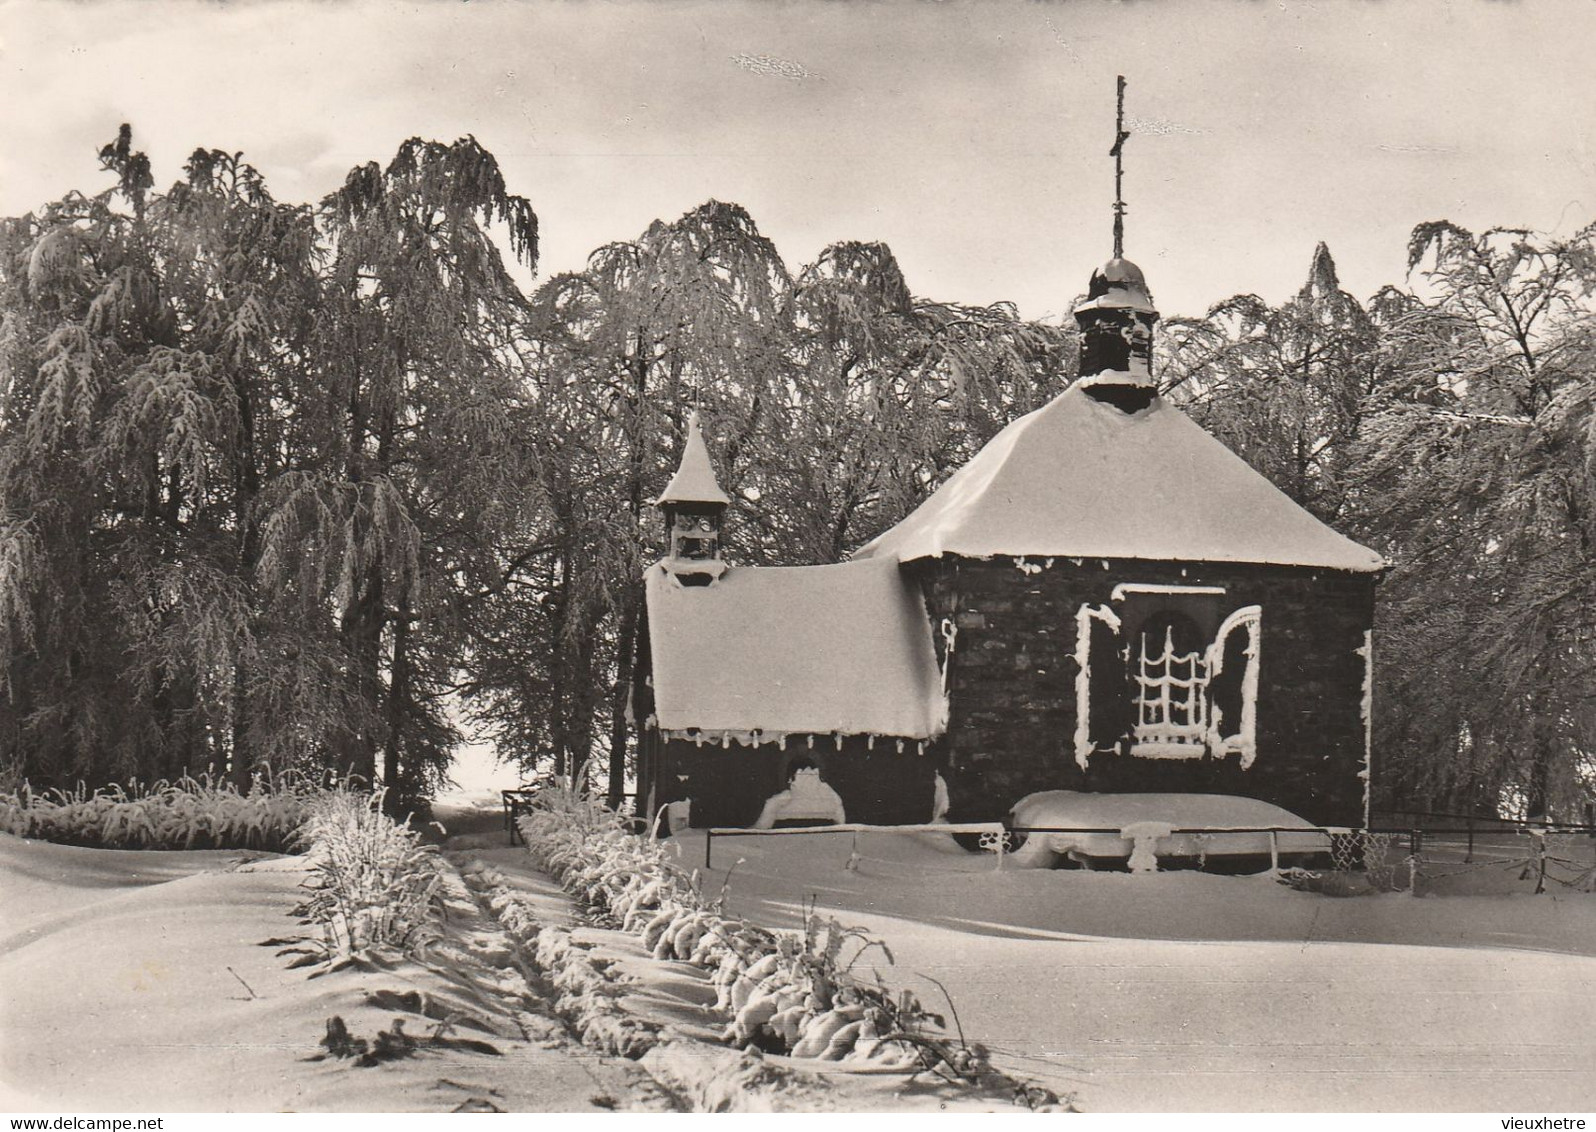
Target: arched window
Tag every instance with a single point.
(1155, 684)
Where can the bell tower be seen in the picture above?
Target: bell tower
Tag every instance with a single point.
(694, 505)
(1117, 318)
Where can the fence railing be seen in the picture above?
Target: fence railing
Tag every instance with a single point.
(994, 828)
(516, 803)
(1470, 826)
(999, 832)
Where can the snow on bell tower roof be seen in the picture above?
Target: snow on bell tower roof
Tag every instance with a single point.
(1081, 478)
(1119, 285)
(694, 481)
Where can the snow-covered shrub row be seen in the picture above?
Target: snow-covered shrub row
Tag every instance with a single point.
(785, 992)
(374, 884)
(190, 813)
(586, 997)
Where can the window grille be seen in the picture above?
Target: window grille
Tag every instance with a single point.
(1171, 700)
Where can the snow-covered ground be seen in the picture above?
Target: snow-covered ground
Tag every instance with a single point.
(134, 982)
(1187, 992)
(123, 983)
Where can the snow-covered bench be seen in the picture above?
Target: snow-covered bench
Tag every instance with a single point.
(807, 799)
(1139, 829)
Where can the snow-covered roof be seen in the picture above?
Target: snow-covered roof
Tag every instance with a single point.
(694, 481)
(791, 650)
(1119, 284)
(1079, 477)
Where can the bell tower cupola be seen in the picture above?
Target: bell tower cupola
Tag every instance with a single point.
(1116, 323)
(694, 505)
(1116, 319)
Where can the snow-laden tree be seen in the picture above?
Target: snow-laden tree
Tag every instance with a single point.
(276, 481)
(146, 339)
(1281, 386)
(691, 313)
(413, 472)
(894, 393)
(253, 457)
(1476, 479)
(1449, 424)
(833, 401)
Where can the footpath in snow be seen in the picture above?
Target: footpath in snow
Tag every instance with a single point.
(677, 999)
(134, 982)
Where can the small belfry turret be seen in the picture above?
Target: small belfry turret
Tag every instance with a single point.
(1117, 318)
(1116, 322)
(694, 505)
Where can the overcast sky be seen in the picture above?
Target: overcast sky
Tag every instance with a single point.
(970, 137)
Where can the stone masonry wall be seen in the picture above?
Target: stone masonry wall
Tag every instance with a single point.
(1012, 684)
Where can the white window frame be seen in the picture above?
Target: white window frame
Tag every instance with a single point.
(1244, 741)
(1084, 616)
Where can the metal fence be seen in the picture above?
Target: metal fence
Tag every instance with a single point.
(1475, 830)
(993, 829)
(1390, 856)
(996, 835)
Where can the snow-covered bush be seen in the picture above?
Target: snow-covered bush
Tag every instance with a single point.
(374, 884)
(782, 992)
(585, 995)
(202, 813)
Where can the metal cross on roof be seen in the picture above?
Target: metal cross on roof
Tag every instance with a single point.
(1120, 134)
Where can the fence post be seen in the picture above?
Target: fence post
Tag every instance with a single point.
(1274, 851)
(709, 841)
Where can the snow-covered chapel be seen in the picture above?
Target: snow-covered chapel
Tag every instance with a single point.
(1105, 598)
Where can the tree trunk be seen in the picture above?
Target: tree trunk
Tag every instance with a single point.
(582, 704)
(1539, 793)
(362, 635)
(625, 666)
(241, 764)
(246, 486)
(626, 644)
(398, 707)
(163, 760)
(361, 625)
(559, 661)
